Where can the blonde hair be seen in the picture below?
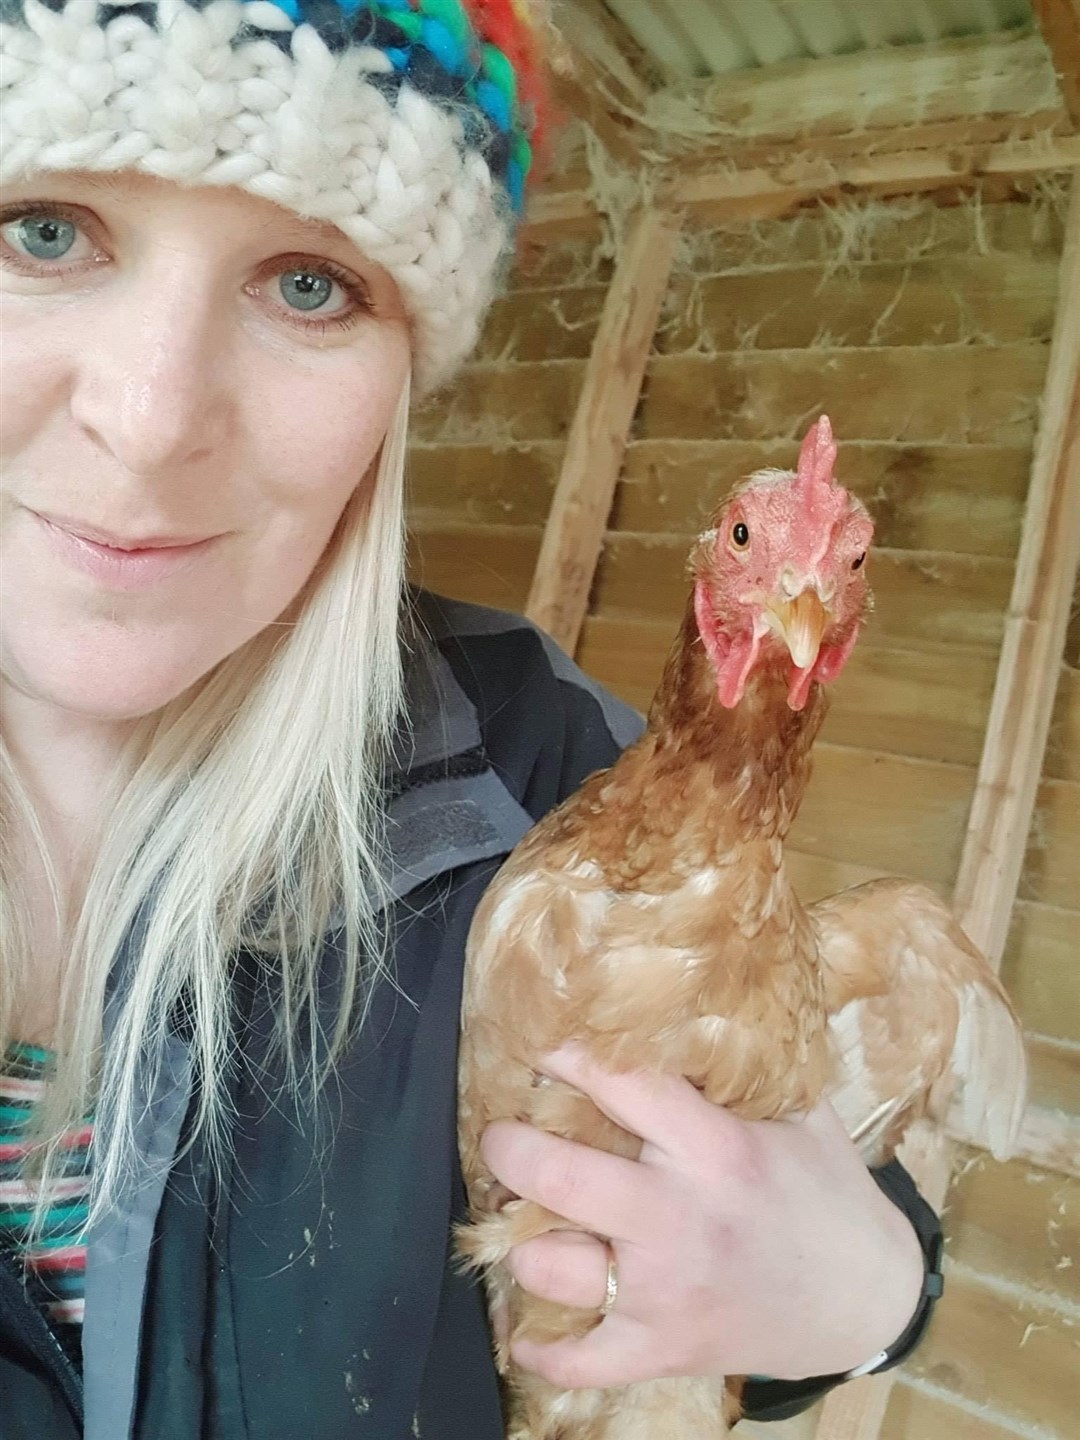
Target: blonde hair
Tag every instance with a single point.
(250, 808)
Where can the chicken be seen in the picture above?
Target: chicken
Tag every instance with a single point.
(649, 918)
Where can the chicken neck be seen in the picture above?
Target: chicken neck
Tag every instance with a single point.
(749, 764)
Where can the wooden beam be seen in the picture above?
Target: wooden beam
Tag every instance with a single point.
(1012, 760)
(581, 90)
(594, 80)
(851, 145)
(1060, 22)
(1038, 615)
(760, 192)
(1007, 74)
(552, 214)
(590, 29)
(594, 450)
(763, 192)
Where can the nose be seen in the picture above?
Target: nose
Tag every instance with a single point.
(150, 385)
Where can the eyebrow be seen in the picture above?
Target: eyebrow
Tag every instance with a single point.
(304, 228)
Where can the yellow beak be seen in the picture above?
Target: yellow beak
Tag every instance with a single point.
(800, 623)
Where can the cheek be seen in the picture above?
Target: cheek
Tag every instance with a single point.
(300, 444)
(311, 448)
(33, 378)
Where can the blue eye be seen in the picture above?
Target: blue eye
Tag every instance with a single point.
(46, 237)
(305, 290)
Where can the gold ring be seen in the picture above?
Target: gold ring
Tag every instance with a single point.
(611, 1290)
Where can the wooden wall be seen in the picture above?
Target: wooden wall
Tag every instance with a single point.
(923, 332)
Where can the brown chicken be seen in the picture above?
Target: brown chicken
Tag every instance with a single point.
(649, 917)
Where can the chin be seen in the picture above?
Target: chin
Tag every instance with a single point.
(115, 677)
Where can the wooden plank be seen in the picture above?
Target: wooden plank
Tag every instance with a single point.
(916, 1413)
(937, 395)
(854, 234)
(805, 177)
(556, 323)
(1072, 634)
(502, 405)
(922, 599)
(989, 299)
(566, 259)
(1034, 636)
(911, 702)
(482, 484)
(984, 1343)
(1038, 967)
(859, 94)
(964, 498)
(1063, 744)
(967, 499)
(967, 132)
(799, 1427)
(815, 876)
(594, 448)
(1055, 1075)
(906, 816)
(1060, 22)
(488, 567)
(589, 27)
(593, 79)
(997, 833)
(760, 192)
(555, 213)
(926, 704)
(1051, 862)
(1016, 1222)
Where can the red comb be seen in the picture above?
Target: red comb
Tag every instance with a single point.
(817, 456)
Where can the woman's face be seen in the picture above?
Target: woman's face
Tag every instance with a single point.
(177, 363)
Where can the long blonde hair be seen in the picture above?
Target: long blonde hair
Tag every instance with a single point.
(250, 806)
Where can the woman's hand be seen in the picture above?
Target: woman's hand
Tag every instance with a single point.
(743, 1247)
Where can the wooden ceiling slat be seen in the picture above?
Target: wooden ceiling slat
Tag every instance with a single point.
(1060, 22)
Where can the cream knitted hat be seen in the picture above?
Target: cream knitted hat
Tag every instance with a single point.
(408, 123)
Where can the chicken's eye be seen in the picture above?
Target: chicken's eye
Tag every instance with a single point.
(740, 536)
(856, 564)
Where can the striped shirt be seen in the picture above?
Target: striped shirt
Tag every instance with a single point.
(54, 1262)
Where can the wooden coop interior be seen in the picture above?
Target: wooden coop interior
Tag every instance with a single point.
(759, 210)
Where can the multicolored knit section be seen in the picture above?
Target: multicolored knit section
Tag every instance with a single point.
(479, 54)
(54, 1260)
(411, 124)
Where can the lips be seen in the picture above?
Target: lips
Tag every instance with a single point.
(121, 570)
(115, 541)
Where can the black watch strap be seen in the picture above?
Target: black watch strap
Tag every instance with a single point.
(768, 1399)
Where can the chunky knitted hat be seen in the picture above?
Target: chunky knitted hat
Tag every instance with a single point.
(408, 123)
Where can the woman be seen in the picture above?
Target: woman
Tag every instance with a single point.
(252, 793)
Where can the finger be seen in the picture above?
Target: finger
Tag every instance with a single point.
(667, 1111)
(604, 1193)
(565, 1266)
(619, 1351)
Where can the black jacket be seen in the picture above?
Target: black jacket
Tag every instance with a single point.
(308, 1291)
